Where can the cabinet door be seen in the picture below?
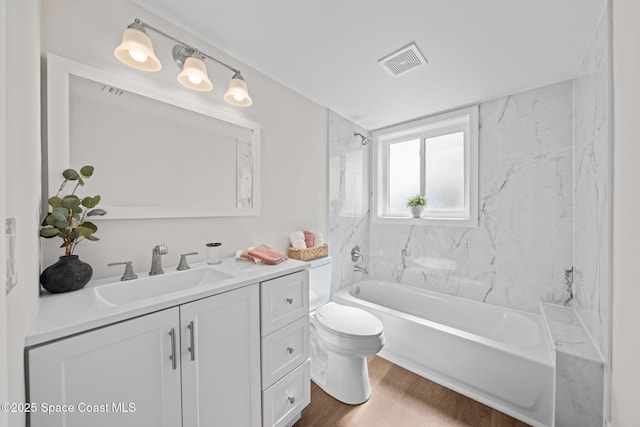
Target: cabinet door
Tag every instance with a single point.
(120, 375)
(221, 376)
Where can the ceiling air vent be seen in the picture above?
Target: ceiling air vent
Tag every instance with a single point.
(112, 90)
(403, 60)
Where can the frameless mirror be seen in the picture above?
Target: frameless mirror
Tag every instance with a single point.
(155, 155)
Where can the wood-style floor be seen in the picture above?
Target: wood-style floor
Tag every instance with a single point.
(400, 398)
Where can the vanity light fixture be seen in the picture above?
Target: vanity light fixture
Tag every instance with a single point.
(194, 71)
(136, 50)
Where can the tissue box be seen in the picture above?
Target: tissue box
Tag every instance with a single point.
(309, 253)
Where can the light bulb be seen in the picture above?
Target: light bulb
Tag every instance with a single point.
(137, 56)
(238, 96)
(196, 80)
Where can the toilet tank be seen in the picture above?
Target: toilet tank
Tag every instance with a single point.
(319, 282)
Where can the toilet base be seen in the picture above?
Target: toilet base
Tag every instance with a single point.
(346, 378)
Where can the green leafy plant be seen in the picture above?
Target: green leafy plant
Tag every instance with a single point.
(68, 215)
(417, 200)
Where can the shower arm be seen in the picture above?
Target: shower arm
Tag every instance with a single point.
(364, 140)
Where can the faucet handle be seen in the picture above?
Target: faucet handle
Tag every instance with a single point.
(356, 254)
(182, 265)
(128, 270)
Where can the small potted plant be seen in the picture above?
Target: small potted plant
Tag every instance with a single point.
(417, 204)
(68, 219)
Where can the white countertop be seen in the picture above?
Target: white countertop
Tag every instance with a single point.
(60, 315)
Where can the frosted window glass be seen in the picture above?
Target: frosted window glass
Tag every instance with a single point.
(444, 171)
(404, 173)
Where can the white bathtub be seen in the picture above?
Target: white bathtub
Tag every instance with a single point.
(495, 355)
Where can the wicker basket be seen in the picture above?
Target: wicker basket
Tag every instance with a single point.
(309, 253)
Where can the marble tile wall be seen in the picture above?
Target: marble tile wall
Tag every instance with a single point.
(519, 253)
(349, 197)
(579, 392)
(580, 370)
(592, 188)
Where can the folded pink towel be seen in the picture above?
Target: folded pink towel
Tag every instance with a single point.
(309, 239)
(265, 254)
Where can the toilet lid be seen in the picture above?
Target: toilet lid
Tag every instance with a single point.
(351, 321)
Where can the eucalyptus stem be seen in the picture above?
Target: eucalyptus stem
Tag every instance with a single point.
(67, 218)
(68, 242)
(61, 187)
(76, 187)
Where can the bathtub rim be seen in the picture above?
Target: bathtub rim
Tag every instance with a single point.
(547, 358)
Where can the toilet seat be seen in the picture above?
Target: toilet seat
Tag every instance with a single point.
(348, 322)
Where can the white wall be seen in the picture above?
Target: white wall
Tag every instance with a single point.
(293, 143)
(3, 142)
(625, 411)
(22, 179)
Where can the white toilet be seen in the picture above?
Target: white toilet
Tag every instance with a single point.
(341, 339)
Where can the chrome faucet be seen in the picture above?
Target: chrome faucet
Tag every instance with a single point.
(128, 270)
(361, 268)
(182, 265)
(156, 261)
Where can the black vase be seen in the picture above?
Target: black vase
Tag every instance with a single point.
(68, 274)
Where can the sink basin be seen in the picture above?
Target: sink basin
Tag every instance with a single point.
(154, 286)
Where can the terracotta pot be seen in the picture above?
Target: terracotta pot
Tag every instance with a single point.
(68, 274)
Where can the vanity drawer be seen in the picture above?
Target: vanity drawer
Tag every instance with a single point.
(284, 300)
(284, 349)
(283, 401)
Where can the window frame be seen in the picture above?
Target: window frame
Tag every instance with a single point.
(465, 120)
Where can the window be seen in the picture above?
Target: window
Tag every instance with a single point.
(437, 157)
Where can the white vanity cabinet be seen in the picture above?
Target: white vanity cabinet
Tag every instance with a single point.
(197, 364)
(126, 363)
(285, 348)
(221, 376)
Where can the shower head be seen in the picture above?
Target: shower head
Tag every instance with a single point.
(364, 139)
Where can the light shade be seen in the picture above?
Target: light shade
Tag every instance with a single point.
(194, 75)
(238, 94)
(136, 50)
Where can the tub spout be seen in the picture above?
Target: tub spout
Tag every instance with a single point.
(361, 268)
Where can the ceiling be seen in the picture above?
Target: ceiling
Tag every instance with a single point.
(328, 50)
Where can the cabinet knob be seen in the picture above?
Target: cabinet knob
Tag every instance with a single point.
(290, 300)
(291, 399)
(291, 350)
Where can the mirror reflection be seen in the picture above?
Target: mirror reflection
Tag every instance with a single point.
(156, 159)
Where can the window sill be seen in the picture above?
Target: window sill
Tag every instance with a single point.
(426, 221)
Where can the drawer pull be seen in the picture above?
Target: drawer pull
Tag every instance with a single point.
(192, 332)
(290, 300)
(291, 350)
(172, 356)
(291, 399)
